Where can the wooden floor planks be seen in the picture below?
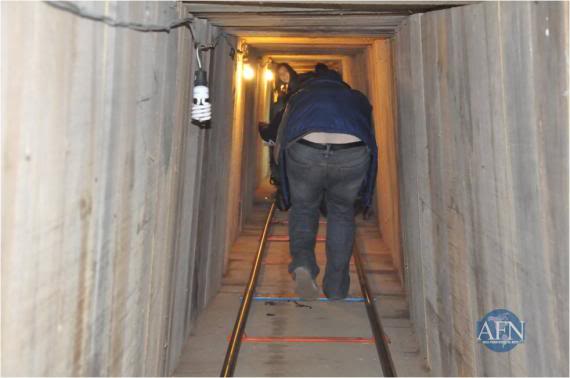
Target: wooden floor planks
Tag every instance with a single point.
(266, 320)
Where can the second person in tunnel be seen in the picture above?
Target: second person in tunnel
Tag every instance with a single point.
(326, 149)
(286, 84)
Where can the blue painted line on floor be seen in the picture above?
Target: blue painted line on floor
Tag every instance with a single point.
(298, 299)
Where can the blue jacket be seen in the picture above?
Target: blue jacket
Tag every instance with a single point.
(328, 105)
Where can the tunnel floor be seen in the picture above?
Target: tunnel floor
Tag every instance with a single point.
(261, 356)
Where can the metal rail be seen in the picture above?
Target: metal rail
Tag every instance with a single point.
(237, 334)
(384, 354)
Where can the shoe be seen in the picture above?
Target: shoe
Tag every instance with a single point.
(305, 285)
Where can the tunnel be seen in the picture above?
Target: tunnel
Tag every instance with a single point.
(129, 232)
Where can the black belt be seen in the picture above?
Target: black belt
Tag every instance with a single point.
(331, 146)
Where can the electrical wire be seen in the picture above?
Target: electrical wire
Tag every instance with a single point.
(141, 27)
(198, 57)
(76, 10)
(221, 35)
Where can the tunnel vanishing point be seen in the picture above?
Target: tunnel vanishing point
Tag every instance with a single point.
(128, 233)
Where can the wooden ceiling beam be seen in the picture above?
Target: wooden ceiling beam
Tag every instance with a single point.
(318, 17)
(311, 41)
(308, 29)
(315, 50)
(282, 34)
(316, 32)
(285, 6)
(305, 57)
(304, 21)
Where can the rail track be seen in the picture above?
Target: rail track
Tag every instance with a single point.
(238, 333)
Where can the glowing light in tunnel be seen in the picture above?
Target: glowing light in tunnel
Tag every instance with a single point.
(248, 72)
(268, 74)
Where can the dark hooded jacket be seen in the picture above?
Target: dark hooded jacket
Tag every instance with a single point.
(268, 132)
(326, 104)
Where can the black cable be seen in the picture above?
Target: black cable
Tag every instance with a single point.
(76, 10)
(221, 35)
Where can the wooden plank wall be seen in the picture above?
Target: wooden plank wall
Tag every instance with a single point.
(262, 105)
(233, 190)
(380, 82)
(251, 149)
(371, 72)
(483, 165)
(113, 216)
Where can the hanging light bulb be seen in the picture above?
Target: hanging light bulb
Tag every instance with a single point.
(268, 74)
(201, 107)
(248, 72)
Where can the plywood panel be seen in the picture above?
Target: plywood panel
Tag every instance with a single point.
(103, 187)
(380, 83)
(411, 142)
(478, 225)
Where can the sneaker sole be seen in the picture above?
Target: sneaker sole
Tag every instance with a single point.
(305, 287)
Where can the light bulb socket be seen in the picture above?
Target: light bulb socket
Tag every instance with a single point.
(200, 77)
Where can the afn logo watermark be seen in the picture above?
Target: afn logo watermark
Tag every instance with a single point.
(500, 330)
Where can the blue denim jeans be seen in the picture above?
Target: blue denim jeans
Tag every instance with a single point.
(338, 176)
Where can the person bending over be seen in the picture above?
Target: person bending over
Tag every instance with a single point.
(326, 144)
